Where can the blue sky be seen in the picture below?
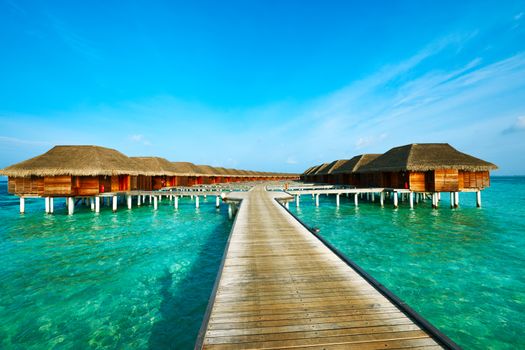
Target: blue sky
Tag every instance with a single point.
(263, 85)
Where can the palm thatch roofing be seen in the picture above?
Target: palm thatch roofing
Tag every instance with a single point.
(184, 169)
(207, 170)
(426, 157)
(75, 161)
(331, 167)
(155, 166)
(314, 169)
(355, 163)
(308, 170)
(321, 168)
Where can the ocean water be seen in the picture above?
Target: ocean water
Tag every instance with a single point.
(135, 279)
(462, 269)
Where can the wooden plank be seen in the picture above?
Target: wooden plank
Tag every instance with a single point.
(280, 287)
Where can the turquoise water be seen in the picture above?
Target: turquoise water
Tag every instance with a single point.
(136, 279)
(462, 269)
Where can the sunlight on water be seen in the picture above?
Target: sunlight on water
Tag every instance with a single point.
(462, 269)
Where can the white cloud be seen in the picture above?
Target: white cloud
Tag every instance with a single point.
(518, 125)
(140, 139)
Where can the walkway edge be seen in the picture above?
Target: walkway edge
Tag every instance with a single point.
(419, 320)
(213, 295)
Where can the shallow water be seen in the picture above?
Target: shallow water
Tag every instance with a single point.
(133, 279)
(462, 269)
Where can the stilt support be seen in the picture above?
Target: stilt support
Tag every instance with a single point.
(129, 198)
(317, 200)
(411, 199)
(217, 201)
(337, 200)
(176, 202)
(196, 201)
(382, 198)
(115, 200)
(22, 205)
(478, 199)
(396, 199)
(456, 199)
(46, 201)
(97, 204)
(356, 199)
(51, 205)
(155, 203)
(70, 205)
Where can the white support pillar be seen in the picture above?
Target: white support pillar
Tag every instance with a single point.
(139, 197)
(46, 201)
(22, 205)
(411, 199)
(176, 202)
(382, 198)
(456, 199)
(97, 204)
(337, 200)
(150, 199)
(356, 199)
(452, 198)
(196, 201)
(434, 200)
(317, 200)
(91, 203)
(155, 203)
(217, 201)
(478, 199)
(373, 196)
(230, 211)
(439, 196)
(129, 199)
(115, 200)
(396, 199)
(70, 205)
(298, 200)
(417, 198)
(51, 205)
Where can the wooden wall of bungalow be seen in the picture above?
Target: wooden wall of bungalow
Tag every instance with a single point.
(439, 180)
(67, 185)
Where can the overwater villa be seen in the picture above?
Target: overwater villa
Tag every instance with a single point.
(94, 172)
(428, 168)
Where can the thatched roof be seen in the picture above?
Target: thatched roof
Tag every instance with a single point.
(425, 157)
(320, 169)
(76, 161)
(333, 166)
(355, 164)
(184, 169)
(207, 170)
(308, 170)
(154, 166)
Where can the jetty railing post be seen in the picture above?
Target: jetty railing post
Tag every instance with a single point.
(176, 202)
(155, 204)
(196, 201)
(478, 199)
(411, 199)
(115, 200)
(46, 201)
(337, 199)
(396, 199)
(51, 205)
(22, 205)
(456, 199)
(70, 205)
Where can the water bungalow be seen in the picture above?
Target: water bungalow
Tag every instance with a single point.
(154, 173)
(430, 167)
(209, 174)
(185, 174)
(347, 173)
(70, 171)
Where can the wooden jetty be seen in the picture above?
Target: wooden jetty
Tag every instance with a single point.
(280, 286)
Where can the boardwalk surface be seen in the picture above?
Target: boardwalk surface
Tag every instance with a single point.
(282, 288)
